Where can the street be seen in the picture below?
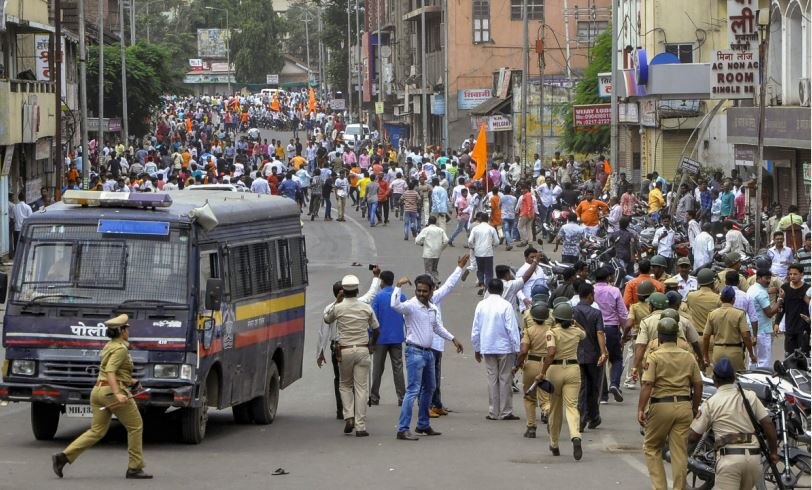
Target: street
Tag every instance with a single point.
(306, 439)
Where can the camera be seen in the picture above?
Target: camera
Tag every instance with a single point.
(372, 266)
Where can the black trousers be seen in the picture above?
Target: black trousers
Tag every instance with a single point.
(339, 405)
(590, 392)
(797, 340)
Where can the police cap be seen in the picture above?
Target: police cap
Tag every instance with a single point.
(670, 313)
(645, 288)
(658, 301)
(723, 368)
(539, 312)
(706, 277)
(563, 311)
(117, 322)
(667, 326)
(659, 261)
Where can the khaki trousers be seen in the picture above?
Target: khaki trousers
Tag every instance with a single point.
(342, 205)
(127, 414)
(499, 368)
(353, 370)
(737, 471)
(540, 398)
(735, 354)
(526, 228)
(567, 383)
(667, 421)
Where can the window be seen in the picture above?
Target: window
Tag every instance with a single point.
(250, 271)
(298, 264)
(209, 269)
(481, 15)
(588, 30)
(535, 9)
(685, 52)
(283, 278)
(99, 265)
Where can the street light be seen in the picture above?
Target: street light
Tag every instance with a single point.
(228, 48)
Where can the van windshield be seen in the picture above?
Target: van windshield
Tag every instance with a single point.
(76, 264)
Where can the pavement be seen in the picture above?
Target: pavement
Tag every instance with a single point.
(306, 439)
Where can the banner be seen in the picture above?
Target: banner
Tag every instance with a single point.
(591, 115)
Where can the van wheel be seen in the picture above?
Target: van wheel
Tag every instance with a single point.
(242, 413)
(44, 420)
(263, 408)
(193, 420)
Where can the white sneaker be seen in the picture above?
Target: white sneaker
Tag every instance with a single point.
(630, 386)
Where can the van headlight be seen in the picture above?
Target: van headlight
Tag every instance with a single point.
(23, 367)
(166, 370)
(186, 372)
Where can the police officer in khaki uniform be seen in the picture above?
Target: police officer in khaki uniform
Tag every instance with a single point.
(733, 262)
(532, 351)
(731, 335)
(353, 320)
(637, 313)
(561, 367)
(659, 264)
(738, 458)
(704, 300)
(666, 405)
(111, 396)
(647, 339)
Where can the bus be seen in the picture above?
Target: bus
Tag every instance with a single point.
(214, 285)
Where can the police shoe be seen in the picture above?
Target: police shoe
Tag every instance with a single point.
(59, 461)
(349, 425)
(555, 451)
(138, 474)
(361, 433)
(530, 433)
(594, 423)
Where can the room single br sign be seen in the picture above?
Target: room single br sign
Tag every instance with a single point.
(734, 74)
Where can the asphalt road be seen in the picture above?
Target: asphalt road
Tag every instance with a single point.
(308, 442)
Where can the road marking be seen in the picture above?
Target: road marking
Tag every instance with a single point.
(354, 238)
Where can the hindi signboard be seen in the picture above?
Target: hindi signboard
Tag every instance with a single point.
(742, 24)
(689, 165)
(591, 115)
(604, 84)
(272, 79)
(469, 98)
(734, 74)
(337, 104)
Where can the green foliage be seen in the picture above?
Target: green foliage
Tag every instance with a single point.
(294, 25)
(596, 138)
(151, 73)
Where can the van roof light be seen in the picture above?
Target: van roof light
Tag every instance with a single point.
(117, 199)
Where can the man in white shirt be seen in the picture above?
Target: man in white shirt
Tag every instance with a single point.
(664, 240)
(685, 281)
(734, 240)
(422, 320)
(703, 248)
(20, 212)
(328, 335)
(495, 336)
(482, 239)
(537, 277)
(433, 240)
(780, 255)
(694, 228)
(548, 195)
(260, 186)
(536, 166)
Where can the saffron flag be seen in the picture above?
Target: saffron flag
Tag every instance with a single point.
(275, 104)
(311, 103)
(480, 153)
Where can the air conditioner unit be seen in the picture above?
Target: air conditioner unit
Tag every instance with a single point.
(803, 91)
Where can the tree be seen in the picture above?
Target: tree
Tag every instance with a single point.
(296, 44)
(150, 74)
(255, 47)
(334, 37)
(594, 138)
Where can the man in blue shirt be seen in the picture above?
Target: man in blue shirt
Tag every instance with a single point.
(389, 342)
(760, 297)
(289, 187)
(727, 198)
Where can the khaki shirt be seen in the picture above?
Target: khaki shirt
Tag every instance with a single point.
(720, 278)
(724, 412)
(565, 340)
(648, 330)
(700, 304)
(728, 324)
(637, 313)
(535, 338)
(672, 370)
(115, 358)
(353, 320)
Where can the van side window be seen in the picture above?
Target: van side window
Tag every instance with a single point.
(298, 262)
(250, 270)
(283, 278)
(209, 269)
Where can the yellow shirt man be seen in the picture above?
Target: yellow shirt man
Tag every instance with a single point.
(655, 200)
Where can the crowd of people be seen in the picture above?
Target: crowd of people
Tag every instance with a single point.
(577, 337)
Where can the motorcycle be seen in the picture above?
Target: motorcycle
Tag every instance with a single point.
(558, 217)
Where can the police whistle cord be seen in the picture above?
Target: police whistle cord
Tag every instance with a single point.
(146, 390)
(762, 443)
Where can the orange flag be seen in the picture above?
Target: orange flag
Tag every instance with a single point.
(311, 103)
(275, 104)
(480, 153)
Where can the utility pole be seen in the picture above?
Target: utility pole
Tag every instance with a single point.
(100, 134)
(349, 65)
(307, 19)
(380, 66)
(424, 111)
(540, 52)
(132, 22)
(83, 94)
(55, 57)
(525, 75)
(446, 82)
(763, 49)
(358, 51)
(124, 112)
(321, 48)
(613, 129)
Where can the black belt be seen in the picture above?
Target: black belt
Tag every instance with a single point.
(613, 326)
(738, 450)
(565, 362)
(533, 357)
(729, 345)
(671, 399)
(409, 344)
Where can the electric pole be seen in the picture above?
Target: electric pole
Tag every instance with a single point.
(100, 134)
(124, 112)
(55, 57)
(525, 75)
(613, 125)
(83, 94)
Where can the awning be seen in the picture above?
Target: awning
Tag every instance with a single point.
(490, 106)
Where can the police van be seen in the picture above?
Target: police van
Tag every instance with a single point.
(213, 283)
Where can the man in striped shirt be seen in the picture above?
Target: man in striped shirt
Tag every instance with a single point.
(411, 202)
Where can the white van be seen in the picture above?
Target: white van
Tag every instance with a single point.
(356, 133)
(270, 92)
